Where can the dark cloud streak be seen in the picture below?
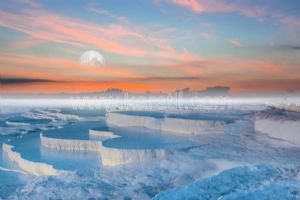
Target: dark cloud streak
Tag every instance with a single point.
(290, 47)
(8, 81)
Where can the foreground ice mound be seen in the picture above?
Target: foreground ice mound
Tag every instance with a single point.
(259, 182)
(171, 125)
(34, 168)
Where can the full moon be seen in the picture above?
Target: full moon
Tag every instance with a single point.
(92, 57)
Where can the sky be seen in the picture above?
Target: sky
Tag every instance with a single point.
(150, 45)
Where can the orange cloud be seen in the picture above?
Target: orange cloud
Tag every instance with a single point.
(223, 69)
(63, 69)
(266, 85)
(203, 72)
(75, 87)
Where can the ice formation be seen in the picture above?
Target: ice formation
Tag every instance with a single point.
(71, 145)
(109, 156)
(101, 135)
(114, 156)
(35, 168)
(190, 127)
(124, 120)
(52, 115)
(170, 125)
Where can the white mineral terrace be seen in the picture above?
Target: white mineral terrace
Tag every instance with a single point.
(70, 145)
(115, 156)
(124, 120)
(288, 130)
(169, 125)
(35, 168)
(109, 156)
(101, 135)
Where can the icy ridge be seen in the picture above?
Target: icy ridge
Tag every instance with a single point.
(109, 156)
(35, 168)
(101, 135)
(188, 126)
(124, 120)
(171, 125)
(71, 145)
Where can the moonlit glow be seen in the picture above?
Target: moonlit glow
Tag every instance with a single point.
(92, 57)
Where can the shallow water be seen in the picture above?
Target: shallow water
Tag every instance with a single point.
(141, 138)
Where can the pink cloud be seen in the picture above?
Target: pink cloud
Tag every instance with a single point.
(119, 39)
(221, 6)
(193, 5)
(260, 13)
(24, 42)
(199, 6)
(30, 3)
(235, 42)
(107, 13)
(113, 38)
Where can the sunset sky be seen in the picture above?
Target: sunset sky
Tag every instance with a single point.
(154, 45)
